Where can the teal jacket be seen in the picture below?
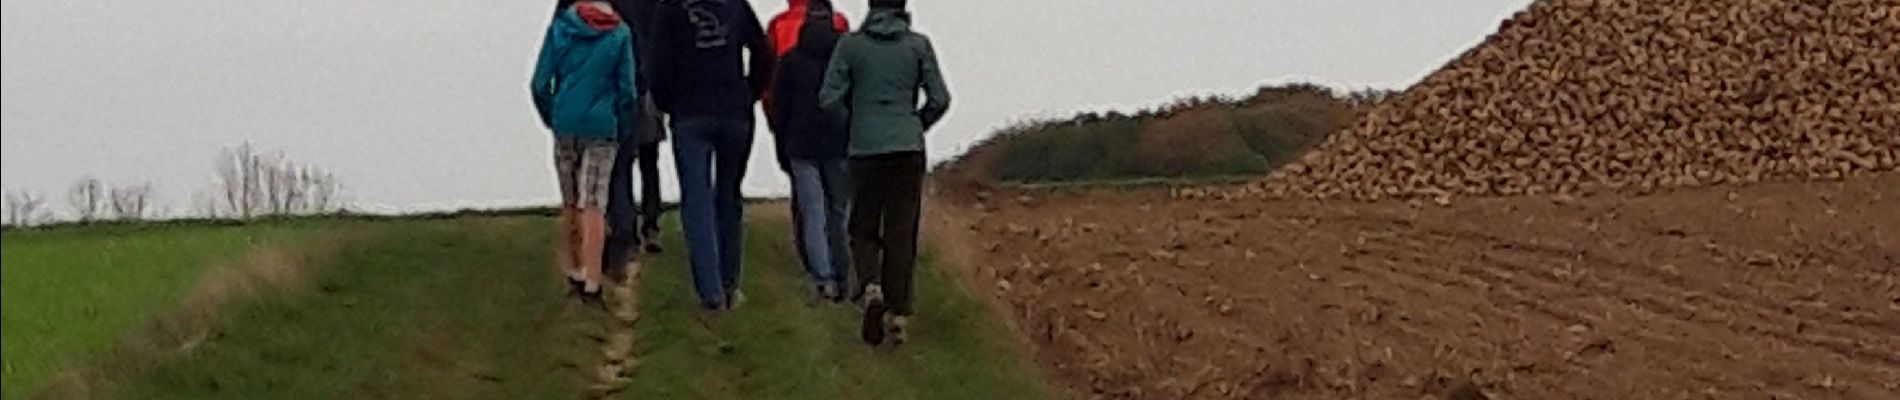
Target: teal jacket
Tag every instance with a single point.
(584, 77)
(872, 83)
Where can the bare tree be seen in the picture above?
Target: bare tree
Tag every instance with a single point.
(324, 192)
(238, 170)
(23, 209)
(255, 184)
(88, 198)
(129, 202)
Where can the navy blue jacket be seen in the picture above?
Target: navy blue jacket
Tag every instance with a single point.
(802, 130)
(698, 70)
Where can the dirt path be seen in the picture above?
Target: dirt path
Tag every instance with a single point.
(1781, 290)
(609, 375)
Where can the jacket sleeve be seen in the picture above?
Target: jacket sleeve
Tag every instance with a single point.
(759, 74)
(937, 95)
(541, 86)
(835, 95)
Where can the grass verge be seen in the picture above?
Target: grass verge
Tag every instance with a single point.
(464, 308)
(67, 296)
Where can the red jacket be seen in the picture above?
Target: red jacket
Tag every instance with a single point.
(782, 32)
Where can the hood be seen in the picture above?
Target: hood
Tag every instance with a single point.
(816, 35)
(887, 24)
(589, 19)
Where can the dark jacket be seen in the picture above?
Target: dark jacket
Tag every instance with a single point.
(873, 82)
(698, 68)
(804, 131)
(585, 74)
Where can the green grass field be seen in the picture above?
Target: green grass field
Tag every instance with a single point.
(463, 308)
(470, 308)
(67, 295)
(784, 347)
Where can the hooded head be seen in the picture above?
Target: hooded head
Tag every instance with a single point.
(888, 4)
(597, 14)
(888, 20)
(816, 35)
(589, 19)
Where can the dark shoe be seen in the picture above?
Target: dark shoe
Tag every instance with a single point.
(596, 299)
(872, 329)
(575, 287)
(652, 241)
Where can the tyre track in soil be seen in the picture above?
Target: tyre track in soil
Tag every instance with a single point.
(1844, 339)
(1510, 281)
(1138, 295)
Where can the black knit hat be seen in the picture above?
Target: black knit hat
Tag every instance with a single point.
(892, 4)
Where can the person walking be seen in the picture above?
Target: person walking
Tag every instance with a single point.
(872, 83)
(582, 77)
(783, 32)
(815, 147)
(703, 83)
(632, 221)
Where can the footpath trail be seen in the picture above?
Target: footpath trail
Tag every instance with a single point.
(470, 308)
(780, 344)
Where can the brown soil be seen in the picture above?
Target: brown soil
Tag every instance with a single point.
(1785, 290)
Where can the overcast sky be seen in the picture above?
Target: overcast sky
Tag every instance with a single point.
(423, 104)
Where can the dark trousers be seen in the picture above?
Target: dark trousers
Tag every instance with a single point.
(625, 221)
(884, 212)
(650, 189)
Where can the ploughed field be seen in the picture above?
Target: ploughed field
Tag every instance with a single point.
(1780, 290)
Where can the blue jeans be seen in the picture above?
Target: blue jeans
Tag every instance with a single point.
(711, 155)
(819, 202)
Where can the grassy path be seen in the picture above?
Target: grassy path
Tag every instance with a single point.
(441, 309)
(471, 309)
(784, 347)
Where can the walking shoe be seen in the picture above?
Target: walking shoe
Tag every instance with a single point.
(899, 325)
(827, 291)
(575, 287)
(872, 329)
(595, 299)
(839, 292)
(652, 244)
(734, 298)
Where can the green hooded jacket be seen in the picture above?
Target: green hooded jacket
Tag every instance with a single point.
(872, 83)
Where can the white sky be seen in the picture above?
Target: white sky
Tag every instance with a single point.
(422, 104)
